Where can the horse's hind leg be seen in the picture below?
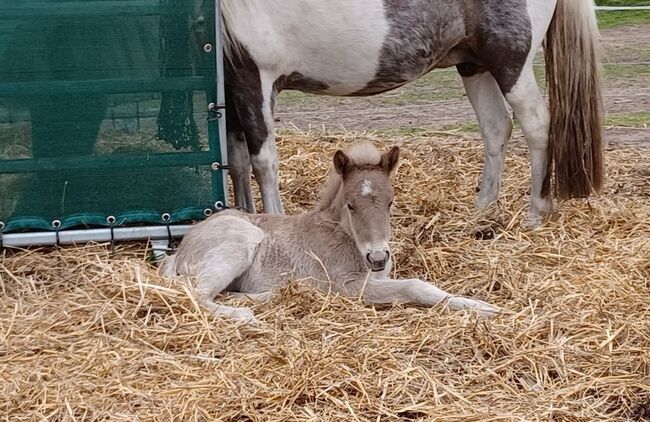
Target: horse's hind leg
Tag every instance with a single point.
(510, 60)
(496, 127)
(532, 113)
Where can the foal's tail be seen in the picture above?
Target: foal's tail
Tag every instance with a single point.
(573, 76)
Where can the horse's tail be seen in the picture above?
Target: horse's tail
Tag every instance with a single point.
(573, 78)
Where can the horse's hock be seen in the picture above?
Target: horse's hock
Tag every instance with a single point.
(105, 112)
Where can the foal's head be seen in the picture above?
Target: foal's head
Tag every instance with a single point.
(366, 196)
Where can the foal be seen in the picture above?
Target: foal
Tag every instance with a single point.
(341, 245)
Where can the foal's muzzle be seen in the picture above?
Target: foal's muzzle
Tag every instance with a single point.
(377, 260)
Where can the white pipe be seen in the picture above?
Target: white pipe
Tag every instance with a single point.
(622, 7)
(73, 237)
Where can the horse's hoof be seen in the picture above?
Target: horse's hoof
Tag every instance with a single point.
(532, 221)
(484, 202)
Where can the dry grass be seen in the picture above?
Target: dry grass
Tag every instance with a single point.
(86, 335)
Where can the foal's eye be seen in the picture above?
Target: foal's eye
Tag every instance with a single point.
(350, 207)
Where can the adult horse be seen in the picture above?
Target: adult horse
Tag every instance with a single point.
(365, 47)
(341, 245)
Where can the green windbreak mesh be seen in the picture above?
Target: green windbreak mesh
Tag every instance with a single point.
(104, 112)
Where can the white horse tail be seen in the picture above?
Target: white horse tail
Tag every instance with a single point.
(573, 75)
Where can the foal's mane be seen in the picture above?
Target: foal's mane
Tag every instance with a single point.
(363, 155)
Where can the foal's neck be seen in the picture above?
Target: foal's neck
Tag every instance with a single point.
(328, 211)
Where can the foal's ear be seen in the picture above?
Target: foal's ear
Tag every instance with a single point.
(342, 163)
(389, 159)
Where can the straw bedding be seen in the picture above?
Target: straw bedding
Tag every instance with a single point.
(90, 335)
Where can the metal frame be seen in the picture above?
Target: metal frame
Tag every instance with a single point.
(151, 233)
(221, 96)
(74, 237)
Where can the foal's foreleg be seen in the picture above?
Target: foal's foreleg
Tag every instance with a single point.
(496, 127)
(417, 291)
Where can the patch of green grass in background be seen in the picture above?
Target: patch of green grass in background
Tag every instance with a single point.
(623, 2)
(640, 119)
(626, 71)
(614, 18)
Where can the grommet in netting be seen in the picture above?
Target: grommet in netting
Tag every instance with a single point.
(111, 220)
(207, 212)
(219, 205)
(166, 217)
(216, 109)
(56, 224)
(207, 48)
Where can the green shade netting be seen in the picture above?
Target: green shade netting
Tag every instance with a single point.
(104, 112)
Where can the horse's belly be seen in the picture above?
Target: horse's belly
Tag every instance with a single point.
(336, 43)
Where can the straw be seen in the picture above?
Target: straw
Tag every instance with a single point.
(89, 335)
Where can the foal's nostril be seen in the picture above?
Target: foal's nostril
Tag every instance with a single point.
(378, 259)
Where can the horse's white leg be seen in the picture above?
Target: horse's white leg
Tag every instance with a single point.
(496, 126)
(263, 151)
(532, 113)
(417, 291)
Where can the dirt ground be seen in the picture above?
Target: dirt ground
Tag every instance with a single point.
(437, 101)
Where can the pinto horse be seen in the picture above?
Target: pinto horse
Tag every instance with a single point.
(366, 47)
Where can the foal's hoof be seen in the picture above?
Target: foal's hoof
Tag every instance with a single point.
(482, 308)
(487, 310)
(244, 316)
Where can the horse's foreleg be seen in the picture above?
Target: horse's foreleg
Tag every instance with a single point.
(239, 162)
(265, 166)
(257, 121)
(418, 291)
(532, 113)
(496, 126)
